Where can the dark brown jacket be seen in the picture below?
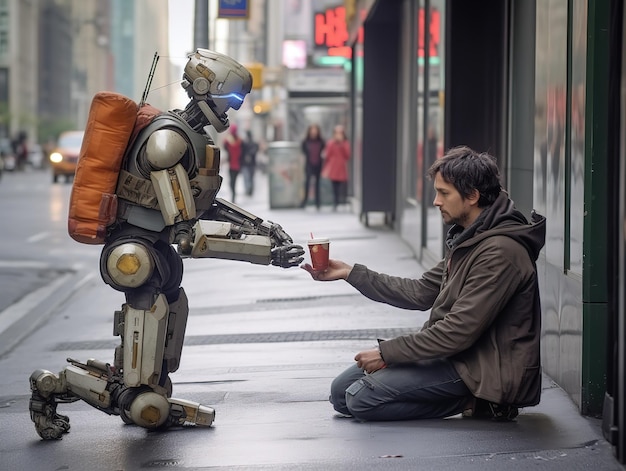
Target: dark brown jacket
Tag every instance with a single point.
(485, 309)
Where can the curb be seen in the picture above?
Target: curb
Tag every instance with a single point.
(20, 319)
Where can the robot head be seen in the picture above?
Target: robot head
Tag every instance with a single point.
(216, 82)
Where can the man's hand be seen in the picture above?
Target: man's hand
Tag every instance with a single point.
(370, 360)
(337, 270)
(287, 256)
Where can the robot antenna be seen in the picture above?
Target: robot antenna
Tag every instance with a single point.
(146, 90)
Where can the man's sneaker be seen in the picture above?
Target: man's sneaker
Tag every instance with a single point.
(482, 409)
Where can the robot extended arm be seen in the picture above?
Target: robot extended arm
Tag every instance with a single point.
(229, 232)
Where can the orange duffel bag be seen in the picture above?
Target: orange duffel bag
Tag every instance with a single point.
(93, 204)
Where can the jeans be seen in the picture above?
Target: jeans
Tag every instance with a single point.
(429, 389)
(248, 178)
(312, 173)
(233, 183)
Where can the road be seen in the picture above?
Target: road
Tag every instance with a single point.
(36, 250)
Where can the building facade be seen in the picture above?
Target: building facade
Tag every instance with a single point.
(536, 84)
(56, 54)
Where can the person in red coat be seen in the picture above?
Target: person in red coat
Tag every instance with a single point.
(336, 162)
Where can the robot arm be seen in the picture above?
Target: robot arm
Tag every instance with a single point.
(229, 232)
(161, 160)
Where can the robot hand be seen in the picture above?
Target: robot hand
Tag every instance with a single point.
(285, 253)
(286, 256)
(278, 235)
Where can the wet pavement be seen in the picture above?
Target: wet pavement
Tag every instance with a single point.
(262, 346)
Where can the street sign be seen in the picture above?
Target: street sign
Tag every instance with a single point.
(233, 9)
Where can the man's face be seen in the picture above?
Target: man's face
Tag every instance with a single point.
(454, 209)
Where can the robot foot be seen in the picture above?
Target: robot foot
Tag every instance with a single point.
(149, 409)
(48, 424)
(188, 413)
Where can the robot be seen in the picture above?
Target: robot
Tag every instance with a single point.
(168, 210)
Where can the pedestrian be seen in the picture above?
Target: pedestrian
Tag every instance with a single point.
(312, 148)
(479, 352)
(335, 167)
(248, 162)
(233, 145)
(20, 150)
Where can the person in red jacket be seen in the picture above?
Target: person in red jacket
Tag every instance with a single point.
(234, 146)
(336, 163)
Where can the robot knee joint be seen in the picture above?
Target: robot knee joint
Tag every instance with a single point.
(129, 265)
(45, 382)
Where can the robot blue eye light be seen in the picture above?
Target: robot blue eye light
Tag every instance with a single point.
(233, 95)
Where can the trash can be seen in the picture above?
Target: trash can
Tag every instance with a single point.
(286, 174)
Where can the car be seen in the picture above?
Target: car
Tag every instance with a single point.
(64, 157)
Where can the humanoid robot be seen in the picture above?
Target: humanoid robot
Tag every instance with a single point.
(167, 210)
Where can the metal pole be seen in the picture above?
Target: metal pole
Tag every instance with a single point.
(201, 25)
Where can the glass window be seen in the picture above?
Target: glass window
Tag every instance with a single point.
(577, 134)
(408, 155)
(431, 135)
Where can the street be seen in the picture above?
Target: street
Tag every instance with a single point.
(262, 346)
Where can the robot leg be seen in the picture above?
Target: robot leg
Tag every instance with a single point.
(137, 386)
(177, 325)
(152, 330)
(94, 382)
(184, 412)
(151, 343)
(134, 388)
(98, 385)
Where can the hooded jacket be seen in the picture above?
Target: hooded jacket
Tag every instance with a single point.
(485, 307)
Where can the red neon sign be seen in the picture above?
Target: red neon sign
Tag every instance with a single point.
(331, 31)
(330, 28)
(434, 30)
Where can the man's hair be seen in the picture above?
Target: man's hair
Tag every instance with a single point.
(468, 170)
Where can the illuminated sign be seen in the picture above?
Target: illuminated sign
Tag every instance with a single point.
(434, 29)
(330, 28)
(331, 32)
(233, 9)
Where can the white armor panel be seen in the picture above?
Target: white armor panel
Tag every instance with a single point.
(149, 410)
(211, 241)
(144, 343)
(130, 265)
(87, 386)
(193, 414)
(173, 192)
(165, 148)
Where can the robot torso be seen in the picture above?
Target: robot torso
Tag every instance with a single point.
(186, 163)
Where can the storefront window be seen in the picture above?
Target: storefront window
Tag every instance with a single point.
(577, 134)
(419, 164)
(409, 155)
(432, 60)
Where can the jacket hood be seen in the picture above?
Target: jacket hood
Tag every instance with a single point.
(502, 218)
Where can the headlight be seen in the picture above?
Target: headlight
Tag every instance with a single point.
(56, 157)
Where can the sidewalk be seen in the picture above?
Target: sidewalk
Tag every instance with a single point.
(277, 339)
(263, 345)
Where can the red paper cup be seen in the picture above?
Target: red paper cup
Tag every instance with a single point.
(318, 249)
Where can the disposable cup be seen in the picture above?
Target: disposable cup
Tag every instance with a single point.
(319, 248)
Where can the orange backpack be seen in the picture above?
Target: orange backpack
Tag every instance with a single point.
(93, 203)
